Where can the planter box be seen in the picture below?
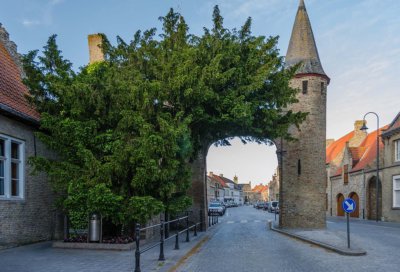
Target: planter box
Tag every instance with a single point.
(95, 246)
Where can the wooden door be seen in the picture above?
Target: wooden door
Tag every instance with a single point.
(339, 209)
(356, 199)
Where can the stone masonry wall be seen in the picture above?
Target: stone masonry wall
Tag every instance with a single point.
(33, 218)
(392, 169)
(303, 196)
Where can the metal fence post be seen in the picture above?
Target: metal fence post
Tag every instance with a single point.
(161, 257)
(177, 237)
(195, 229)
(137, 252)
(209, 220)
(187, 227)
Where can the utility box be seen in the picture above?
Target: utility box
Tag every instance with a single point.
(95, 227)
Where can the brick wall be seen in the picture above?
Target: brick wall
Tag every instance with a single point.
(302, 196)
(33, 218)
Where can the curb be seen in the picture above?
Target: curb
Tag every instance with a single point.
(94, 246)
(341, 251)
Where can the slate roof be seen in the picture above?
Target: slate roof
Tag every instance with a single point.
(394, 127)
(302, 46)
(12, 91)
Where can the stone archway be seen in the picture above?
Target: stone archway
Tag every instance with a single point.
(371, 199)
(339, 208)
(356, 199)
(302, 165)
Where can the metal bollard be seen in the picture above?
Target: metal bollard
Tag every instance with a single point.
(195, 229)
(177, 237)
(209, 220)
(187, 227)
(161, 257)
(137, 251)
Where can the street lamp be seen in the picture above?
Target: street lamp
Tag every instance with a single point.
(364, 128)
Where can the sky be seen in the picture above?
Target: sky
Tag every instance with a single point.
(358, 43)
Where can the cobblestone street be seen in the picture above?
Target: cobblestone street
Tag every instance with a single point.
(243, 243)
(240, 242)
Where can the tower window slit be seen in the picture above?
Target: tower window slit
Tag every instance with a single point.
(299, 167)
(305, 87)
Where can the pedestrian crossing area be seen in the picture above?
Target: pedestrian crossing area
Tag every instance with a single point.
(242, 221)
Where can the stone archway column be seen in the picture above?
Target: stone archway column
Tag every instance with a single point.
(198, 189)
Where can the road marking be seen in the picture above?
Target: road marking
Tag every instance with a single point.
(230, 222)
(243, 221)
(329, 222)
(257, 221)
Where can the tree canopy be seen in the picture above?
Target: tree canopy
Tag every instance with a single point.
(126, 128)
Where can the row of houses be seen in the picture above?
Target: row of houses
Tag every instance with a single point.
(351, 165)
(222, 189)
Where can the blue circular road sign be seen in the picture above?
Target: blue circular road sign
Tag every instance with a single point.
(349, 205)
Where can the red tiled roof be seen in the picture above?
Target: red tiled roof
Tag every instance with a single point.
(336, 147)
(357, 153)
(12, 90)
(365, 153)
(218, 179)
(369, 155)
(260, 188)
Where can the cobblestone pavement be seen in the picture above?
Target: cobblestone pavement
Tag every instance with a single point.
(41, 257)
(242, 242)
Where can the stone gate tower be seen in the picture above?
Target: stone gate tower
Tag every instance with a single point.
(303, 182)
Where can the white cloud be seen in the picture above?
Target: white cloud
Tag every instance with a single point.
(29, 23)
(46, 14)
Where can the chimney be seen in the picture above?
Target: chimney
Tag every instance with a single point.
(359, 135)
(211, 174)
(358, 124)
(235, 179)
(221, 175)
(95, 51)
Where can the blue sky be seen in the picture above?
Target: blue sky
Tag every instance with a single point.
(358, 42)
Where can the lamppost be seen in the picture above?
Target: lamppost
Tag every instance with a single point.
(364, 128)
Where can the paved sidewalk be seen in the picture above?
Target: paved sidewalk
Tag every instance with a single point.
(42, 257)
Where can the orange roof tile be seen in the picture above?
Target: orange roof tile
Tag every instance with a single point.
(12, 90)
(369, 155)
(337, 146)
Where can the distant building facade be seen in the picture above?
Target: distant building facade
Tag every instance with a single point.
(351, 173)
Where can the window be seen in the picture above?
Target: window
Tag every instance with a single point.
(305, 87)
(397, 150)
(11, 168)
(322, 87)
(396, 192)
(346, 173)
(299, 167)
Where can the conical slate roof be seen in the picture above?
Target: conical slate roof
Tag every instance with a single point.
(302, 47)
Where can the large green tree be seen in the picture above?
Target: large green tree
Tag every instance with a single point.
(126, 128)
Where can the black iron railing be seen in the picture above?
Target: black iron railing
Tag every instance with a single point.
(213, 219)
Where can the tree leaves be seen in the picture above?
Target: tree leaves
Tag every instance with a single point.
(126, 128)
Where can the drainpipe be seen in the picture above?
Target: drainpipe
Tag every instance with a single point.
(364, 195)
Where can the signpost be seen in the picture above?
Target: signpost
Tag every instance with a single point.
(348, 206)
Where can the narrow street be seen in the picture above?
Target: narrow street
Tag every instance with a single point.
(242, 242)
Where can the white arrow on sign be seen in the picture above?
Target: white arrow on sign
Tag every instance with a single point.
(349, 206)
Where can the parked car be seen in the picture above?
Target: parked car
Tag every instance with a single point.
(266, 205)
(216, 208)
(273, 205)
